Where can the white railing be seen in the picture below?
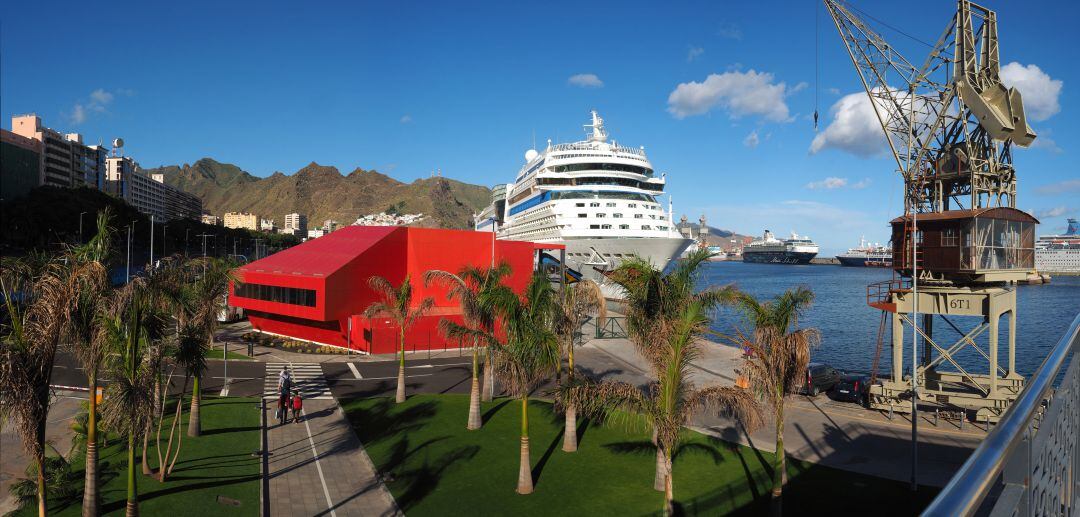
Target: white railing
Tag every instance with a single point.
(1031, 459)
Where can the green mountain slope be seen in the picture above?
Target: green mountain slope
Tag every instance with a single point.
(324, 193)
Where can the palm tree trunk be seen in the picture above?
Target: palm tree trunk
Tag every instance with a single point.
(661, 466)
(525, 482)
(779, 465)
(194, 425)
(669, 495)
(401, 372)
(132, 488)
(474, 394)
(42, 503)
(569, 443)
(90, 483)
(489, 380)
(146, 462)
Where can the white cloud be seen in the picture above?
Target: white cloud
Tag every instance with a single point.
(834, 91)
(854, 128)
(1061, 187)
(729, 31)
(751, 140)
(101, 97)
(1039, 91)
(406, 118)
(694, 53)
(585, 81)
(830, 183)
(739, 93)
(97, 102)
(1043, 141)
(78, 114)
(1057, 211)
(861, 184)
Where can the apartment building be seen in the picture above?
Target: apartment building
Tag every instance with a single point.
(21, 166)
(297, 223)
(149, 195)
(242, 220)
(212, 220)
(267, 225)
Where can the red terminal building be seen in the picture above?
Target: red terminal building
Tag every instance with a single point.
(318, 291)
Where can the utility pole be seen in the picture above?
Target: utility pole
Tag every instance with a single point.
(127, 272)
(151, 241)
(187, 248)
(80, 227)
(204, 236)
(257, 241)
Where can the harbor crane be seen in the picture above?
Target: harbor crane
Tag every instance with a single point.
(961, 244)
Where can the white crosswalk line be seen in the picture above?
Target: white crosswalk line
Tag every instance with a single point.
(307, 378)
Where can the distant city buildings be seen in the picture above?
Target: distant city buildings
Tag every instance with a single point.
(296, 224)
(242, 220)
(212, 220)
(267, 225)
(330, 225)
(34, 155)
(385, 219)
(314, 234)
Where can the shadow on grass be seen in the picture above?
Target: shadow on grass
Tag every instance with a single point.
(223, 430)
(495, 409)
(385, 419)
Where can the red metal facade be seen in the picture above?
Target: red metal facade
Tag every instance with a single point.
(337, 267)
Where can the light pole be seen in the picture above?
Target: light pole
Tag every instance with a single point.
(80, 227)
(204, 236)
(187, 248)
(151, 241)
(127, 272)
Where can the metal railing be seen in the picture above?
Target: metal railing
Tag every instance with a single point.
(613, 327)
(1031, 459)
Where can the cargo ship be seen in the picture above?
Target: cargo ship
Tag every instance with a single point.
(770, 250)
(866, 255)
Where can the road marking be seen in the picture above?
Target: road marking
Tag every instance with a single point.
(355, 372)
(307, 378)
(388, 378)
(318, 466)
(225, 389)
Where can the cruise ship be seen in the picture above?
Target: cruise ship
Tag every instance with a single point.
(597, 197)
(866, 255)
(770, 250)
(1059, 253)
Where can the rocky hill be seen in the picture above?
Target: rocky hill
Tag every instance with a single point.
(324, 193)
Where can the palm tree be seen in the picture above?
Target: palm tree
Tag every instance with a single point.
(87, 348)
(776, 365)
(37, 296)
(472, 287)
(576, 303)
(190, 354)
(396, 304)
(531, 353)
(132, 328)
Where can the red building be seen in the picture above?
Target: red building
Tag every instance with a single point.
(318, 291)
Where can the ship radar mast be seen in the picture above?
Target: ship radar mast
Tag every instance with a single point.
(599, 134)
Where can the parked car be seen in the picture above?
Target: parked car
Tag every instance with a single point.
(852, 387)
(820, 377)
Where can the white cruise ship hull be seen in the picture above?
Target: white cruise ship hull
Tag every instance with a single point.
(592, 257)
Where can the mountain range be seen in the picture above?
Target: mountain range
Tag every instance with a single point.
(322, 193)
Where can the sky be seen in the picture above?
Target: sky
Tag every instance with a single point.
(720, 94)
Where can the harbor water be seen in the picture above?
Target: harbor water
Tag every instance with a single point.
(849, 327)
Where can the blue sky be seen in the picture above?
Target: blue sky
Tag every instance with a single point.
(407, 87)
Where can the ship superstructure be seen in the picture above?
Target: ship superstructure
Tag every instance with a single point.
(866, 255)
(1059, 253)
(597, 197)
(770, 250)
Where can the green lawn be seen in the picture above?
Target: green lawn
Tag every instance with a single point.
(237, 352)
(218, 463)
(435, 465)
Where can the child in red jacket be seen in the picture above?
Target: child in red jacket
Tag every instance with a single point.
(297, 405)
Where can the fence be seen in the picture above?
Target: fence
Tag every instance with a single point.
(1031, 459)
(613, 327)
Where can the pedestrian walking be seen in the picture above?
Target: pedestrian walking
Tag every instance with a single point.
(297, 406)
(283, 404)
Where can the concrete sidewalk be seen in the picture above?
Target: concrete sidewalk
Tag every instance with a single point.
(319, 467)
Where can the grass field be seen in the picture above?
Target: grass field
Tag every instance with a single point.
(218, 463)
(237, 352)
(434, 465)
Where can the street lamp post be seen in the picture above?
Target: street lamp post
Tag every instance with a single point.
(151, 241)
(80, 227)
(187, 248)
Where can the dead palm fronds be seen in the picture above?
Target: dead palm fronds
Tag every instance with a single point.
(779, 353)
(396, 303)
(472, 287)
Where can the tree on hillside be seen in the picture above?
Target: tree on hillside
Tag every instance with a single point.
(531, 353)
(473, 288)
(575, 303)
(776, 365)
(396, 303)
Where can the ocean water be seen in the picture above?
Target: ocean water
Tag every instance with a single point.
(849, 327)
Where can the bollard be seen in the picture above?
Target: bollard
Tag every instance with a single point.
(251, 349)
(963, 416)
(890, 411)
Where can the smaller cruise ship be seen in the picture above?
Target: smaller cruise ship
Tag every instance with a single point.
(866, 255)
(1059, 253)
(770, 250)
